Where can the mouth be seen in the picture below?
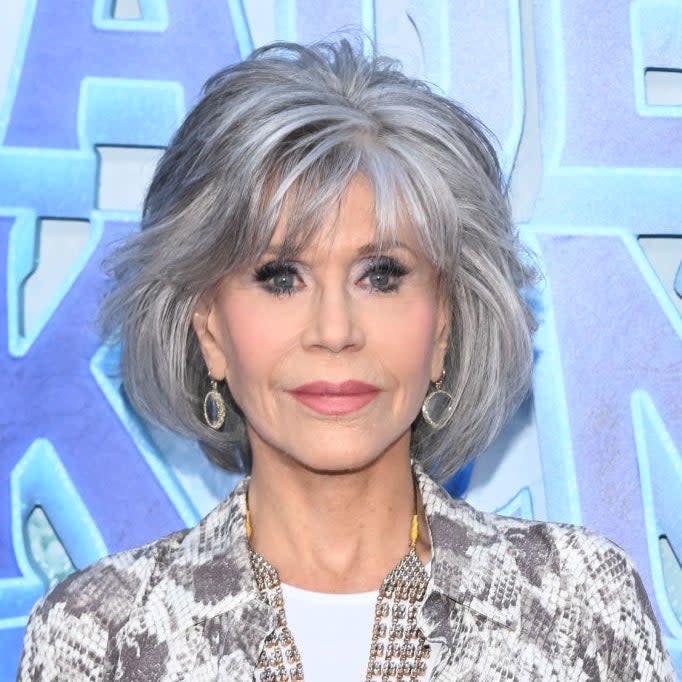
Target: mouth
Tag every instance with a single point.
(335, 399)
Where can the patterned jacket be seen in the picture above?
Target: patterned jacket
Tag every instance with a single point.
(509, 600)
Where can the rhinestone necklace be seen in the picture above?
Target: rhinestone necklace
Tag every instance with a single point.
(398, 651)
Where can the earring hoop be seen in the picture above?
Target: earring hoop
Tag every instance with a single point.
(214, 407)
(432, 401)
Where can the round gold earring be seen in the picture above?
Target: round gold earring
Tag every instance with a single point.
(214, 406)
(438, 406)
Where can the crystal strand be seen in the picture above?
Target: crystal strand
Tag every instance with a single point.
(393, 654)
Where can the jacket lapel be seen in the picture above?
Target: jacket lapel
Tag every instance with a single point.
(473, 562)
(201, 617)
(473, 597)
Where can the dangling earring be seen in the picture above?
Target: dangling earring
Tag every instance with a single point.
(435, 400)
(214, 406)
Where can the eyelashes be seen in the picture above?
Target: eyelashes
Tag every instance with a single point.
(277, 277)
(382, 273)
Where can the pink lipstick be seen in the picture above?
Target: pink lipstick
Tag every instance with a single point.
(335, 399)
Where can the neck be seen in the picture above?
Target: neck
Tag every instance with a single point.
(334, 532)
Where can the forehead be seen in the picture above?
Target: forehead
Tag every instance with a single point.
(350, 223)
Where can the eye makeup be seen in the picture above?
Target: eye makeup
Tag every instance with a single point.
(277, 277)
(382, 273)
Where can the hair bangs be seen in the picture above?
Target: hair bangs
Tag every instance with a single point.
(409, 194)
(310, 187)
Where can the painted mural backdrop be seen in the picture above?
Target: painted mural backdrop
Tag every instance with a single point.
(81, 476)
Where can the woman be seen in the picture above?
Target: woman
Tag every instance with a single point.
(325, 293)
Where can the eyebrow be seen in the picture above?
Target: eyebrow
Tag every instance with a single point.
(367, 250)
(378, 247)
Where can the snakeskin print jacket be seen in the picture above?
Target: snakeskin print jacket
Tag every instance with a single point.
(508, 599)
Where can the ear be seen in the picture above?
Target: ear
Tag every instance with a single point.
(443, 327)
(207, 329)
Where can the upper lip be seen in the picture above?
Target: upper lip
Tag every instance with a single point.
(350, 387)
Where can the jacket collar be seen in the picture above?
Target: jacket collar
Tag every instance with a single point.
(473, 562)
(206, 572)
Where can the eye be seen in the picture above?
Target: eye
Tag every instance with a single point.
(278, 278)
(380, 279)
(384, 273)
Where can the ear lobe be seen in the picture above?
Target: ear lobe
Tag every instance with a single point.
(206, 328)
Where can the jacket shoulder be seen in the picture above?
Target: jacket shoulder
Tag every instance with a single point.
(582, 560)
(564, 548)
(70, 628)
(599, 581)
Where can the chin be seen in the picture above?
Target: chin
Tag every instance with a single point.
(347, 455)
(331, 464)
(330, 451)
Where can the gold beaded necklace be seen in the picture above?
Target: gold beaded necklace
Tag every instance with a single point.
(398, 652)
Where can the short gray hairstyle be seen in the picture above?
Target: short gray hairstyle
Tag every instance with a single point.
(295, 123)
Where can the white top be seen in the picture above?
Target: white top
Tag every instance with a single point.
(333, 633)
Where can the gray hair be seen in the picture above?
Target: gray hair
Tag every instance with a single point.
(294, 123)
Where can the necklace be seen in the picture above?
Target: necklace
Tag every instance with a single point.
(398, 651)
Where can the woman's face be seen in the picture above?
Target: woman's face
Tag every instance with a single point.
(329, 355)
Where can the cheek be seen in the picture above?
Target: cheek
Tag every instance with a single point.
(404, 336)
(255, 339)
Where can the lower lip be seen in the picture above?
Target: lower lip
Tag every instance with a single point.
(335, 404)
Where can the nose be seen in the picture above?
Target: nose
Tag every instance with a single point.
(333, 323)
